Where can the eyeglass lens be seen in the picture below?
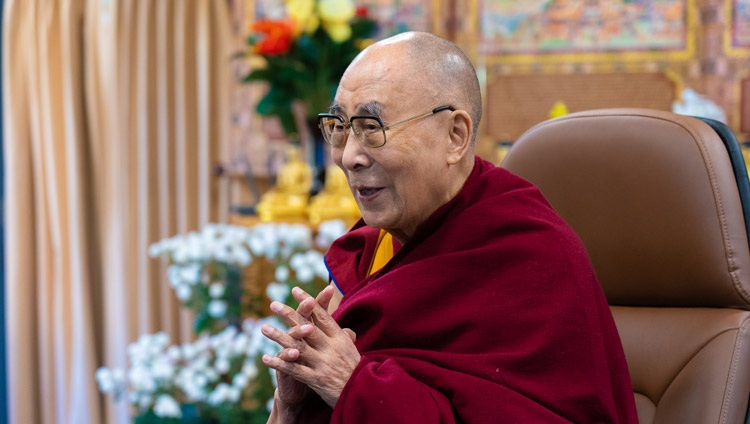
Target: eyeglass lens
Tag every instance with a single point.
(367, 131)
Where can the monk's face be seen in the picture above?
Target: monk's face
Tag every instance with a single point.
(399, 185)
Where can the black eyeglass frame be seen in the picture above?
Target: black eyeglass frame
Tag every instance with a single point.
(383, 126)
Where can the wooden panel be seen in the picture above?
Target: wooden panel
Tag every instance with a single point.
(517, 102)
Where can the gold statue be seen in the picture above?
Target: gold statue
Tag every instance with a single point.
(287, 201)
(335, 201)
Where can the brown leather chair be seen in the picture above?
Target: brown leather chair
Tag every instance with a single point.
(658, 201)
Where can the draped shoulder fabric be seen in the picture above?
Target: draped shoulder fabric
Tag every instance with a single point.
(491, 312)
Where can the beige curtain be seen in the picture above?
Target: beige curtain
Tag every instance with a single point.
(116, 112)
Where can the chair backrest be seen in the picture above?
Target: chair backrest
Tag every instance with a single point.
(654, 197)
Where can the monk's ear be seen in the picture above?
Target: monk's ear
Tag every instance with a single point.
(459, 140)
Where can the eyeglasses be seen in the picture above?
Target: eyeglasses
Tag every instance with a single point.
(368, 130)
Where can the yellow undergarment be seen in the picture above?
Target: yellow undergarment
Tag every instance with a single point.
(383, 252)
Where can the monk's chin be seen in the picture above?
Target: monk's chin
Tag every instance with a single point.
(374, 220)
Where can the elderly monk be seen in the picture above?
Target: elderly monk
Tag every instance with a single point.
(461, 296)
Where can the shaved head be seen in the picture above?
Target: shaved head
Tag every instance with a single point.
(438, 68)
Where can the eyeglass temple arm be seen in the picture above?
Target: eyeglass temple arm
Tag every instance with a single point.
(433, 111)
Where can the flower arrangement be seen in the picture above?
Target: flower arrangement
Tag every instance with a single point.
(217, 378)
(301, 50)
(209, 379)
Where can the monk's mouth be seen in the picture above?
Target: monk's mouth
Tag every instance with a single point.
(368, 193)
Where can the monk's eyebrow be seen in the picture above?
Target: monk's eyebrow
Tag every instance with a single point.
(336, 109)
(369, 108)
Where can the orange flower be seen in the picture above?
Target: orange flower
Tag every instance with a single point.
(272, 37)
(362, 12)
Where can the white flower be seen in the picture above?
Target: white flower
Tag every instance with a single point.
(219, 395)
(191, 273)
(110, 381)
(211, 231)
(159, 341)
(222, 338)
(248, 325)
(216, 290)
(249, 369)
(183, 292)
(240, 381)
(156, 249)
(162, 369)
(144, 401)
(211, 375)
(329, 231)
(305, 274)
(193, 390)
(195, 248)
(174, 275)
(202, 344)
(313, 257)
(217, 308)
(240, 256)
(174, 354)
(118, 376)
(220, 252)
(298, 236)
(188, 351)
(286, 251)
(166, 406)
(222, 365)
(320, 270)
(240, 344)
(201, 381)
(297, 261)
(233, 394)
(272, 249)
(282, 273)
(133, 398)
(257, 246)
(141, 379)
(277, 292)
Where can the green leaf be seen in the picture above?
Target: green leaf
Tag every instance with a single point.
(264, 74)
(203, 321)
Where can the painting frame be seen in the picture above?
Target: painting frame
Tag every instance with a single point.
(737, 31)
(589, 56)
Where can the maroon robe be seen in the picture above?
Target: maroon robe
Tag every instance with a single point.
(491, 312)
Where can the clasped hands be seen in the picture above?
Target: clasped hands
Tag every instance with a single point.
(316, 353)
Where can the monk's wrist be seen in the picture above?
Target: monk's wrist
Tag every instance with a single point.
(283, 412)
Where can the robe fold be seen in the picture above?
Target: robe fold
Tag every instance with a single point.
(491, 312)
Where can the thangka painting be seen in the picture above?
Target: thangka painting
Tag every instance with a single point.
(741, 23)
(533, 27)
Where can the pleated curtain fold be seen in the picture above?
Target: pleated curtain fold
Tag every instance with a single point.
(116, 112)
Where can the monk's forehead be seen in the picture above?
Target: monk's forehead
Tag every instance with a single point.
(385, 69)
(383, 62)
